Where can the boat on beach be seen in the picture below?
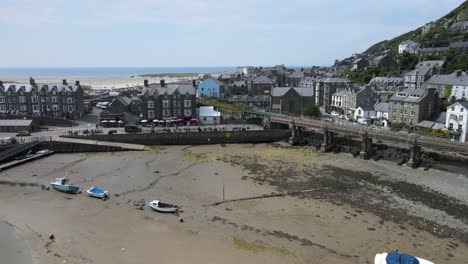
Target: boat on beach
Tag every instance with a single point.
(61, 184)
(163, 207)
(97, 192)
(398, 258)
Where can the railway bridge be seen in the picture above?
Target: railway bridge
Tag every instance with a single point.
(330, 129)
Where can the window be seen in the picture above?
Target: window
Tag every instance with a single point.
(64, 100)
(22, 108)
(412, 113)
(22, 99)
(451, 126)
(406, 111)
(2, 108)
(460, 118)
(187, 112)
(461, 109)
(35, 108)
(34, 99)
(166, 112)
(54, 99)
(460, 127)
(64, 108)
(42, 99)
(150, 113)
(70, 108)
(55, 107)
(70, 100)
(165, 103)
(453, 108)
(2, 99)
(359, 112)
(150, 105)
(187, 103)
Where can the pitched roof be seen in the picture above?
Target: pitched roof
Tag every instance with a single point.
(208, 111)
(48, 87)
(431, 63)
(169, 89)
(367, 107)
(297, 74)
(381, 107)
(409, 95)
(386, 80)
(450, 79)
(421, 71)
(262, 80)
(302, 91)
(15, 122)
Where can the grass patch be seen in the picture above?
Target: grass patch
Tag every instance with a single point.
(259, 247)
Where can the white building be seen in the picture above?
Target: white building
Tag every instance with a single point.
(381, 110)
(365, 112)
(209, 116)
(457, 119)
(409, 46)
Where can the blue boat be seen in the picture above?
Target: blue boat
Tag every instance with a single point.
(96, 192)
(398, 258)
(61, 184)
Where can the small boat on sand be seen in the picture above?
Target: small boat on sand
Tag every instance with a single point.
(163, 207)
(61, 184)
(398, 258)
(96, 192)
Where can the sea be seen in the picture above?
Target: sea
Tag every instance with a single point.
(103, 71)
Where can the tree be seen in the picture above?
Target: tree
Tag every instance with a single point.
(312, 110)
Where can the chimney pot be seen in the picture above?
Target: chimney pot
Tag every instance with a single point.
(77, 83)
(194, 83)
(1, 83)
(31, 81)
(162, 82)
(145, 83)
(64, 82)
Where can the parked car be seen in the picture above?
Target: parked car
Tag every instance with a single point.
(132, 129)
(23, 134)
(333, 113)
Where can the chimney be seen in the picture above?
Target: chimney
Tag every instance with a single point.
(1, 83)
(459, 73)
(64, 82)
(162, 82)
(194, 83)
(77, 83)
(31, 81)
(145, 83)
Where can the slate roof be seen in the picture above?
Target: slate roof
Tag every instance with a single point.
(420, 71)
(169, 89)
(303, 91)
(386, 80)
(208, 111)
(409, 95)
(449, 79)
(460, 44)
(381, 107)
(48, 87)
(298, 75)
(431, 63)
(366, 107)
(15, 122)
(334, 80)
(262, 80)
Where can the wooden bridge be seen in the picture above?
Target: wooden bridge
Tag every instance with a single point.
(327, 127)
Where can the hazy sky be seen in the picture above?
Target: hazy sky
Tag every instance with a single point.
(55, 33)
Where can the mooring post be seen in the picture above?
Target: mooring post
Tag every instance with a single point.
(328, 140)
(415, 155)
(366, 150)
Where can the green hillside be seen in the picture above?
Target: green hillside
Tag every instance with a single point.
(433, 34)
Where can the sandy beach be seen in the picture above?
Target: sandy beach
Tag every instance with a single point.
(105, 82)
(351, 209)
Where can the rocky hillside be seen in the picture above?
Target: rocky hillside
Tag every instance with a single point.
(439, 33)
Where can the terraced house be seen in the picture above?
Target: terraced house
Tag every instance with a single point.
(168, 101)
(57, 100)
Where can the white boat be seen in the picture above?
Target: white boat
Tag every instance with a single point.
(61, 184)
(96, 192)
(398, 258)
(163, 207)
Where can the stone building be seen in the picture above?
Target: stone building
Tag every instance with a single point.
(411, 106)
(290, 100)
(261, 85)
(56, 100)
(168, 101)
(349, 99)
(237, 88)
(324, 89)
(456, 81)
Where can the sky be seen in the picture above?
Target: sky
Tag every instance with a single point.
(201, 33)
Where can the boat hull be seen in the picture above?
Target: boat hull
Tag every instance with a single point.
(97, 195)
(164, 209)
(65, 188)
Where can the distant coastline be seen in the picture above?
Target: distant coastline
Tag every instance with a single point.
(76, 72)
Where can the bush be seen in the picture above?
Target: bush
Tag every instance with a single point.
(312, 110)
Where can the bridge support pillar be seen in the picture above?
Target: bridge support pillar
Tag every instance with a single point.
(366, 150)
(328, 140)
(296, 134)
(415, 156)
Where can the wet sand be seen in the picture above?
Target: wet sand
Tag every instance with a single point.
(12, 248)
(331, 225)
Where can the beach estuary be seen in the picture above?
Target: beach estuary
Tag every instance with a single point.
(245, 203)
